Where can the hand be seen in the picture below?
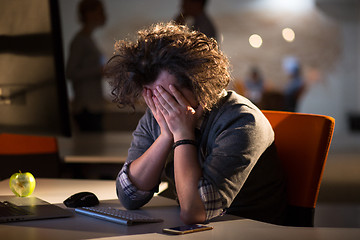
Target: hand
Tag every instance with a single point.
(149, 99)
(180, 117)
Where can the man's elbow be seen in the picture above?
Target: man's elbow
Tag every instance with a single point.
(190, 217)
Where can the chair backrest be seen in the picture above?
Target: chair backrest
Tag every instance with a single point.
(37, 154)
(303, 142)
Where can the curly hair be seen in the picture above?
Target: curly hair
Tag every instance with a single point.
(194, 59)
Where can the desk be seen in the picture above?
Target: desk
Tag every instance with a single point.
(83, 227)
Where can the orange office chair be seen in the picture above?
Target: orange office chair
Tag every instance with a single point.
(303, 142)
(36, 154)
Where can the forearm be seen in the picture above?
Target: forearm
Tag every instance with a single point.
(145, 171)
(187, 176)
(128, 194)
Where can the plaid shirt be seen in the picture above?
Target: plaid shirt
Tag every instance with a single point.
(211, 198)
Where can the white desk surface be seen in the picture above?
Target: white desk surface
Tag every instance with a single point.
(83, 227)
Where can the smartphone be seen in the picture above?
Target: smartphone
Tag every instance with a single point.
(187, 229)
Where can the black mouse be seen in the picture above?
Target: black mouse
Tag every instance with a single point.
(82, 199)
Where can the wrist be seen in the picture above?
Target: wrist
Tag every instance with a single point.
(184, 135)
(166, 138)
(183, 142)
(179, 137)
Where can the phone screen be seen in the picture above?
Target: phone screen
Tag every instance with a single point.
(187, 229)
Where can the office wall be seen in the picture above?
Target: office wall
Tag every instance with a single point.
(338, 94)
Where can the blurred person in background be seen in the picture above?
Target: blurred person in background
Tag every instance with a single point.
(194, 15)
(85, 67)
(294, 89)
(254, 86)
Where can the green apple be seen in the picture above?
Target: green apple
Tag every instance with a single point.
(22, 184)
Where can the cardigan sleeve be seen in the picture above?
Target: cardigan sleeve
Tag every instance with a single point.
(237, 138)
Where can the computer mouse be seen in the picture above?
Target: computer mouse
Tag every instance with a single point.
(82, 199)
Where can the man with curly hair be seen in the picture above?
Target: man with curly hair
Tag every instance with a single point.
(215, 146)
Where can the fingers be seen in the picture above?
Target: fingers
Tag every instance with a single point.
(166, 100)
(167, 103)
(153, 103)
(174, 102)
(155, 106)
(159, 106)
(148, 97)
(178, 96)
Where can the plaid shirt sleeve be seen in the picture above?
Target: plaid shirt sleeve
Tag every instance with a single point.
(211, 198)
(129, 189)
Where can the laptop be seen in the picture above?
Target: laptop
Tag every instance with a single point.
(15, 209)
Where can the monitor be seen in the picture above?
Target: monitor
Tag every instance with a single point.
(33, 92)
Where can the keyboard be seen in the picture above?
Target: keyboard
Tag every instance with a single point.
(115, 215)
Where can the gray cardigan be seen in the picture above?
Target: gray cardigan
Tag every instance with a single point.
(237, 156)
